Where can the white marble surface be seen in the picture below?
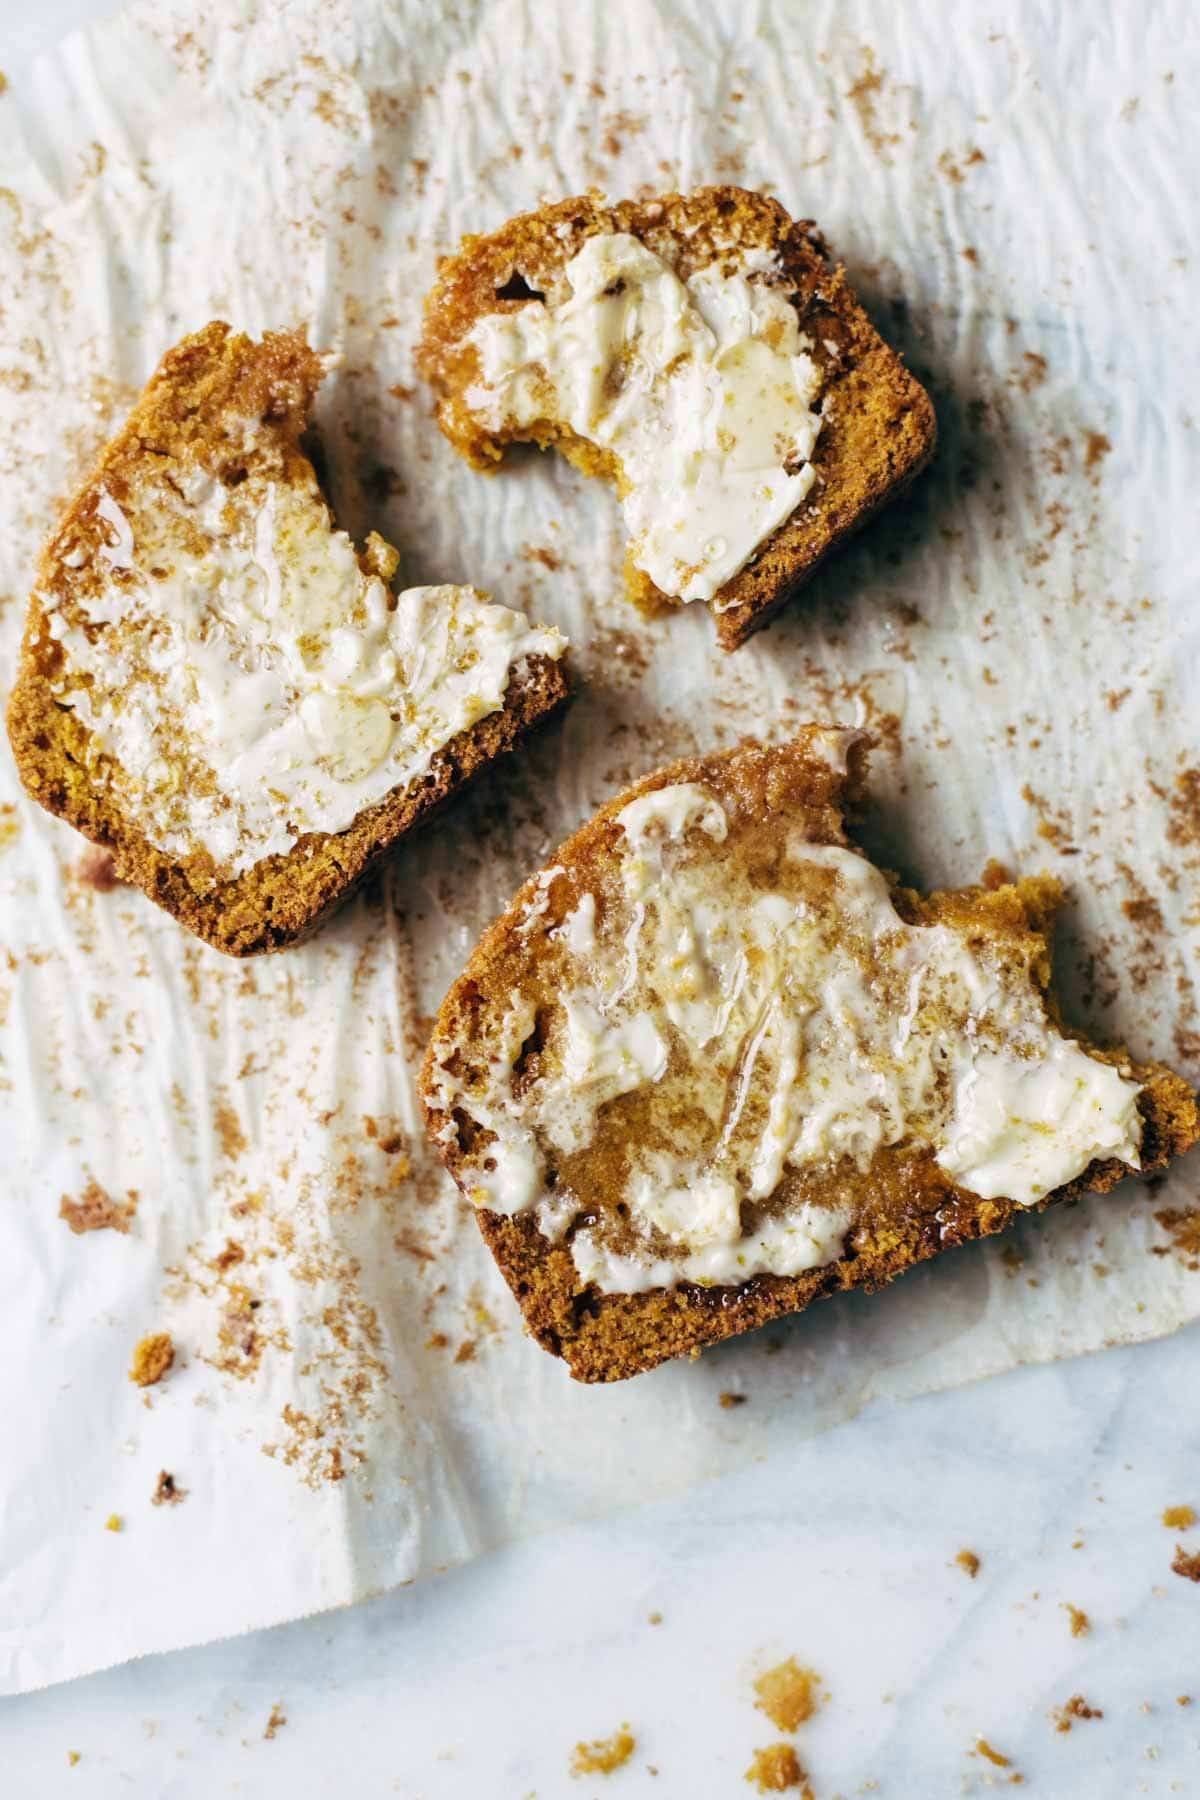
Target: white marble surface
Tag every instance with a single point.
(841, 1552)
(480, 1682)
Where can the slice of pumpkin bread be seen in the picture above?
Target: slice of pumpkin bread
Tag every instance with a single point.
(220, 689)
(712, 1064)
(702, 354)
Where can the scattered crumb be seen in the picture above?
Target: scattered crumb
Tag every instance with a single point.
(776, 1769)
(114, 1522)
(1075, 1708)
(1179, 1518)
(152, 1358)
(277, 1720)
(864, 95)
(1182, 1224)
(1183, 1699)
(1033, 371)
(72, 1755)
(731, 1399)
(787, 1694)
(1186, 1565)
(1185, 809)
(1080, 1623)
(168, 1492)
(228, 1129)
(96, 1210)
(96, 869)
(654, 1618)
(984, 1749)
(602, 1755)
(228, 1258)
(967, 1559)
(1095, 448)
(542, 553)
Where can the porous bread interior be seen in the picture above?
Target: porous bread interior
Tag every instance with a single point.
(878, 427)
(907, 1209)
(195, 406)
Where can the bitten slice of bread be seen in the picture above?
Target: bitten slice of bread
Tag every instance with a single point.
(712, 1065)
(221, 690)
(708, 359)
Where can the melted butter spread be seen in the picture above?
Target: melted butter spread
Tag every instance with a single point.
(767, 1034)
(252, 680)
(702, 391)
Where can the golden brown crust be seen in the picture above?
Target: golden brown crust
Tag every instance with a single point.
(214, 376)
(908, 1207)
(878, 429)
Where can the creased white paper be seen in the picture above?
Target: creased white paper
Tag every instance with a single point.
(353, 1404)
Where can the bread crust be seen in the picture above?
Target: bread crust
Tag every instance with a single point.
(910, 1209)
(878, 424)
(212, 375)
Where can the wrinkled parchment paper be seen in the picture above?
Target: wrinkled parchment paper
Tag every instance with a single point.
(353, 1404)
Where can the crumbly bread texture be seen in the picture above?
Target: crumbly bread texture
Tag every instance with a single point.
(878, 426)
(193, 413)
(905, 1207)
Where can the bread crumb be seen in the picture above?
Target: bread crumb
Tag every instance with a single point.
(776, 1769)
(1179, 1518)
(228, 1129)
(277, 1720)
(1186, 1565)
(731, 1399)
(968, 1560)
(787, 1694)
(96, 1210)
(1183, 1699)
(602, 1755)
(654, 1618)
(541, 553)
(863, 95)
(1080, 1623)
(96, 869)
(72, 1755)
(1182, 1224)
(1034, 372)
(114, 1522)
(152, 1358)
(168, 1492)
(1075, 1708)
(1095, 448)
(984, 1749)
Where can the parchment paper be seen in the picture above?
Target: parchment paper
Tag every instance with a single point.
(353, 1404)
